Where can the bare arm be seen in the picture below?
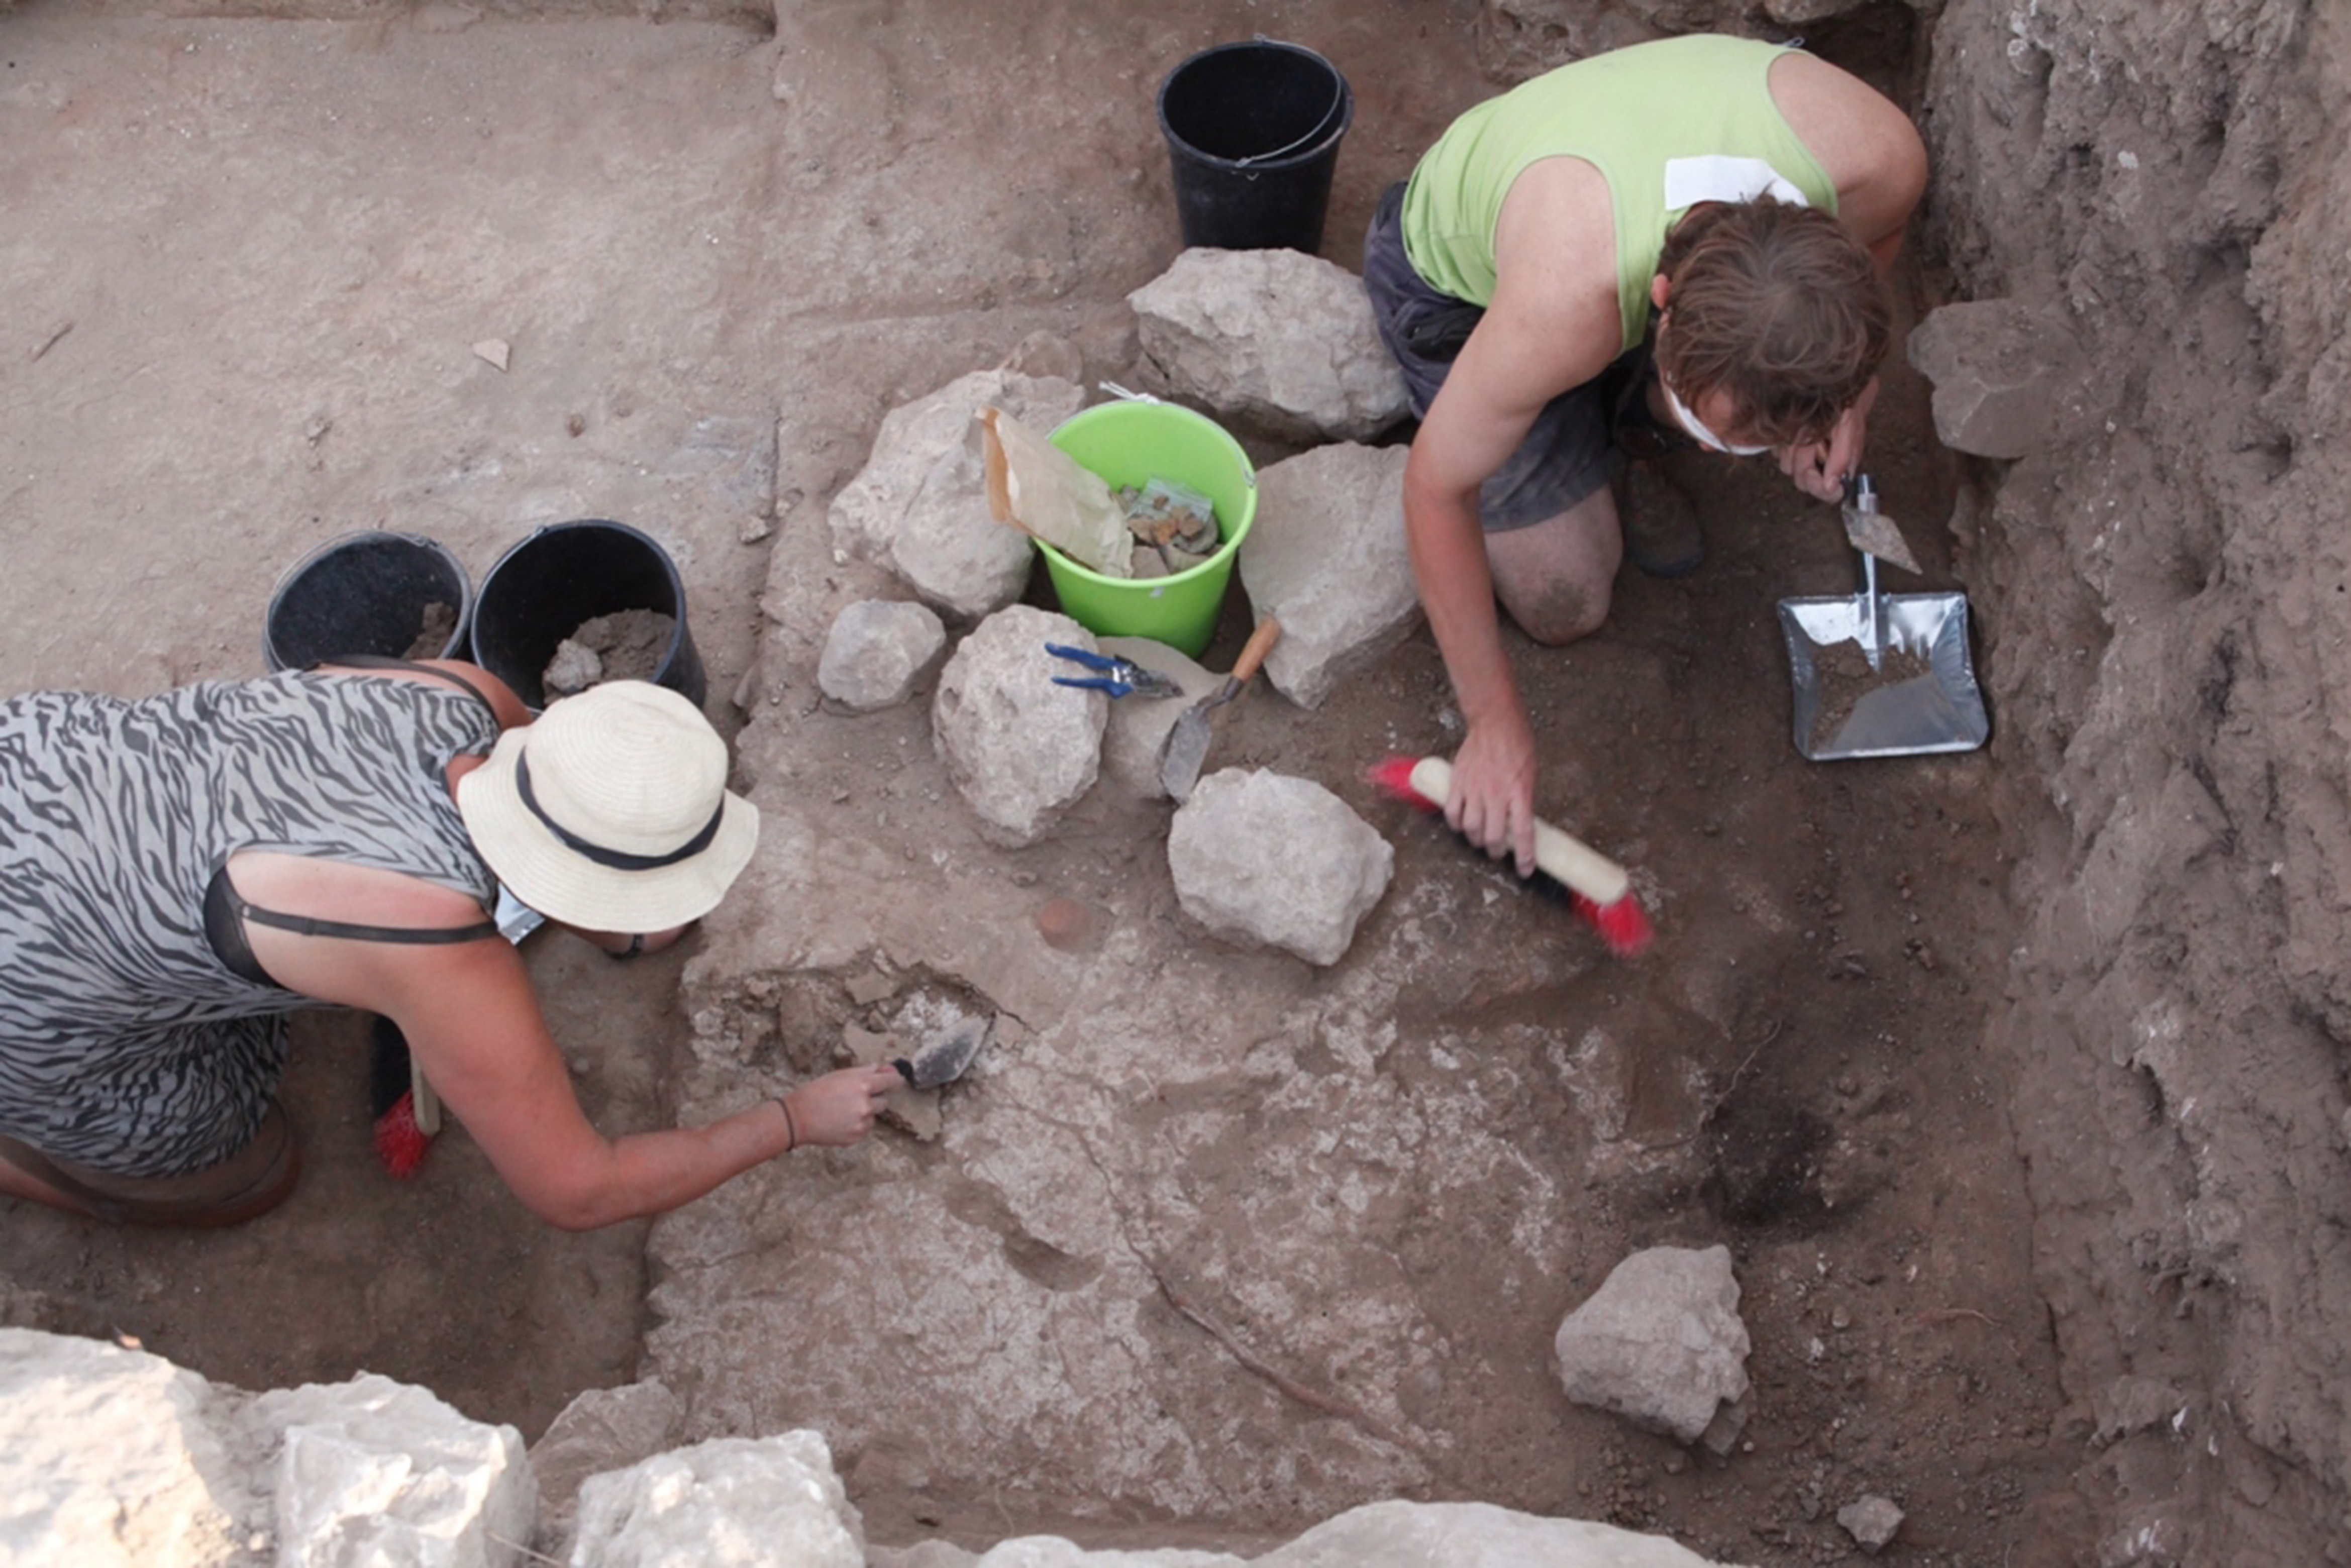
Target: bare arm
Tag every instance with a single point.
(1494, 772)
(477, 1030)
(1552, 325)
(474, 1024)
(510, 709)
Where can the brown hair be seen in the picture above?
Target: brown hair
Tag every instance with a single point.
(1777, 305)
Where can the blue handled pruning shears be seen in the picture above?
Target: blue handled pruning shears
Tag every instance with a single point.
(1119, 677)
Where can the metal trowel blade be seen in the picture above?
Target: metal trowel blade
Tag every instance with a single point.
(1875, 533)
(1187, 748)
(945, 1056)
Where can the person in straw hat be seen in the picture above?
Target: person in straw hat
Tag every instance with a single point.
(177, 873)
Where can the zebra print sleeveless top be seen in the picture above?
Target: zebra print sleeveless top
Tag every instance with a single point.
(125, 1043)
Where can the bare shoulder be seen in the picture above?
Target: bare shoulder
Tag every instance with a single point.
(1865, 142)
(1555, 296)
(509, 708)
(1557, 223)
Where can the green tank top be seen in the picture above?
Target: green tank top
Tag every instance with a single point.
(1668, 124)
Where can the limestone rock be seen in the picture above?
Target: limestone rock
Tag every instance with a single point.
(2008, 379)
(1326, 558)
(732, 1502)
(919, 506)
(1053, 1552)
(1019, 748)
(573, 670)
(1806, 13)
(1396, 1534)
(1264, 860)
(379, 1472)
(107, 1460)
(602, 1429)
(877, 652)
(1871, 1521)
(1276, 338)
(1660, 1342)
(1138, 728)
(922, 1554)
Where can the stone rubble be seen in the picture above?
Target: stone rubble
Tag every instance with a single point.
(376, 1471)
(1871, 1521)
(1274, 338)
(1265, 859)
(877, 652)
(1661, 1343)
(1327, 558)
(111, 1456)
(919, 506)
(602, 1429)
(1021, 749)
(731, 1502)
(2009, 380)
(115, 1458)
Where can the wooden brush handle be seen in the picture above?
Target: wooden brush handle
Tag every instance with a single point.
(1253, 651)
(1560, 856)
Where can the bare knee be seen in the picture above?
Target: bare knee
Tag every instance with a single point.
(1559, 611)
(1554, 579)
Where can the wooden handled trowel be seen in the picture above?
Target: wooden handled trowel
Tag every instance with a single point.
(1187, 743)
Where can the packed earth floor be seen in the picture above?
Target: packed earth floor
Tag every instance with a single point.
(248, 263)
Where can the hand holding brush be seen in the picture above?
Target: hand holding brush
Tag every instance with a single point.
(1598, 888)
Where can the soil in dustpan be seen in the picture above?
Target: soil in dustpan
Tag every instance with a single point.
(1842, 677)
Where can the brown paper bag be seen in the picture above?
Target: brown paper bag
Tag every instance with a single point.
(1038, 488)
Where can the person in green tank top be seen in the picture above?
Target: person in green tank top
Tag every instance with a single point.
(1678, 243)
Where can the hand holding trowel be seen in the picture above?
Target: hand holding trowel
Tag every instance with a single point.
(1187, 743)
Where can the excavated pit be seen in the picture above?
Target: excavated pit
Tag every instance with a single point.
(2006, 1077)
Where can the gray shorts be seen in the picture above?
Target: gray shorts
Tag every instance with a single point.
(1571, 450)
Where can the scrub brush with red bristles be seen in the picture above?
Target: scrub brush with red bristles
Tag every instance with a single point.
(1596, 887)
(406, 1113)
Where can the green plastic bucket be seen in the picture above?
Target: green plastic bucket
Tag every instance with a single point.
(1131, 443)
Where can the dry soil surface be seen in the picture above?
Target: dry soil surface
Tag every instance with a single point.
(247, 263)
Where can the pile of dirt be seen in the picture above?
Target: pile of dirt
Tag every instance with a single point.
(628, 646)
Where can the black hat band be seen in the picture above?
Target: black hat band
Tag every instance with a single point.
(616, 859)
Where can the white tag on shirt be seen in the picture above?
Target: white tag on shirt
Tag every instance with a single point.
(1717, 178)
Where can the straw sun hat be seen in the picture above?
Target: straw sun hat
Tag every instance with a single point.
(610, 811)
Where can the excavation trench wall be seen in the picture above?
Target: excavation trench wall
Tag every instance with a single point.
(2170, 674)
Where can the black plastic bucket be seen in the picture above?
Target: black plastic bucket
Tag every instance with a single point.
(364, 593)
(542, 589)
(1253, 131)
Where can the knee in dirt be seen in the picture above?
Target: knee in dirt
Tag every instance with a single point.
(1561, 611)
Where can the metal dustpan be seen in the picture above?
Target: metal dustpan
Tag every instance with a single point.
(1881, 675)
